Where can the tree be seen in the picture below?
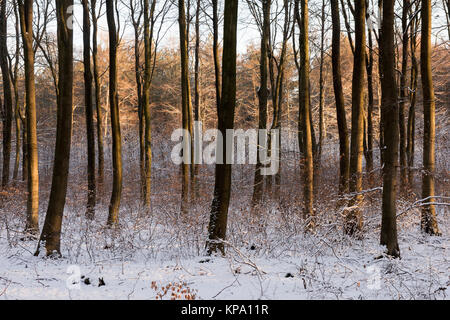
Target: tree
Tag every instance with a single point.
(344, 147)
(26, 26)
(391, 132)
(51, 232)
(222, 188)
(428, 218)
(263, 94)
(148, 37)
(113, 216)
(353, 221)
(403, 91)
(7, 94)
(98, 108)
(370, 104)
(186, 104)
(90, 130)
(413, 95)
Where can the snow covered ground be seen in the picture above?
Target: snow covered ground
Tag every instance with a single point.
(149, 258)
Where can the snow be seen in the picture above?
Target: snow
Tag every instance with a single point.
(275, 261)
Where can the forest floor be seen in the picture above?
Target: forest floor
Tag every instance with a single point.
(280, 262)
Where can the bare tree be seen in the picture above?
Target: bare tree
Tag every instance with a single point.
(51, 232)
(222, 188)
(26, 25)
(428, 219)
(353, 221)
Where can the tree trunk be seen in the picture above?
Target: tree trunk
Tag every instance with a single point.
(17, 115)
(113, 217)
(354, 219)
(216, 51)
(26, 23)
(222, 188)
(344, 147)
(391, 133)
(51, 232)
(186, 105)
(90, 210)
(148, 37)
(304, 100)
(98, 108)
(370, 105)
(403, 92)
(428, 219)
(412, 112)
(262, 103)
(7, 94)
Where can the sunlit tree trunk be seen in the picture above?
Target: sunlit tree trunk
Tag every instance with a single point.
(304, 101)
(413, 94)
(403, 92)
(344, 146)
(428, 219)
(354, 219)
(98, 107)
(262, 101)
(113, 217)
(7, 94)
(51, 232)
(90, 210)
(391, 132)
(148, 36)
(186, 105)
(26, 24)
(222, 188)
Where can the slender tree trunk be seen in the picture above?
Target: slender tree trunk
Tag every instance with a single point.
(262, 102)
(391, 133)
(216, 51)
(222, 188)
(194, 182)
(26, 24)
(138, 76)
(344, 146)
(428, 219)
(370, 105)
(321, 84)
(7, 94)
(148, 36)
(113, 217)
(403, 92)
(51, 232)
(17, 116)
(90, 209)
(412, 112)
(186, 104)
(98, 107)
(354, 219)
(304, 100)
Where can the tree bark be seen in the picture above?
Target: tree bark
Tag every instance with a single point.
(51, 232)
(98, 107)
(304, 105)
(186, 104)
(428, 218)
(344, 146)
(262, 102)
(26, 24)
(90, 209)
(113, 217)
(391, 133)
(403, 92)
(354, 219)
(7, 95)
(222, 188)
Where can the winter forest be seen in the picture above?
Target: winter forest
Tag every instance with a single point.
(225, 149)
